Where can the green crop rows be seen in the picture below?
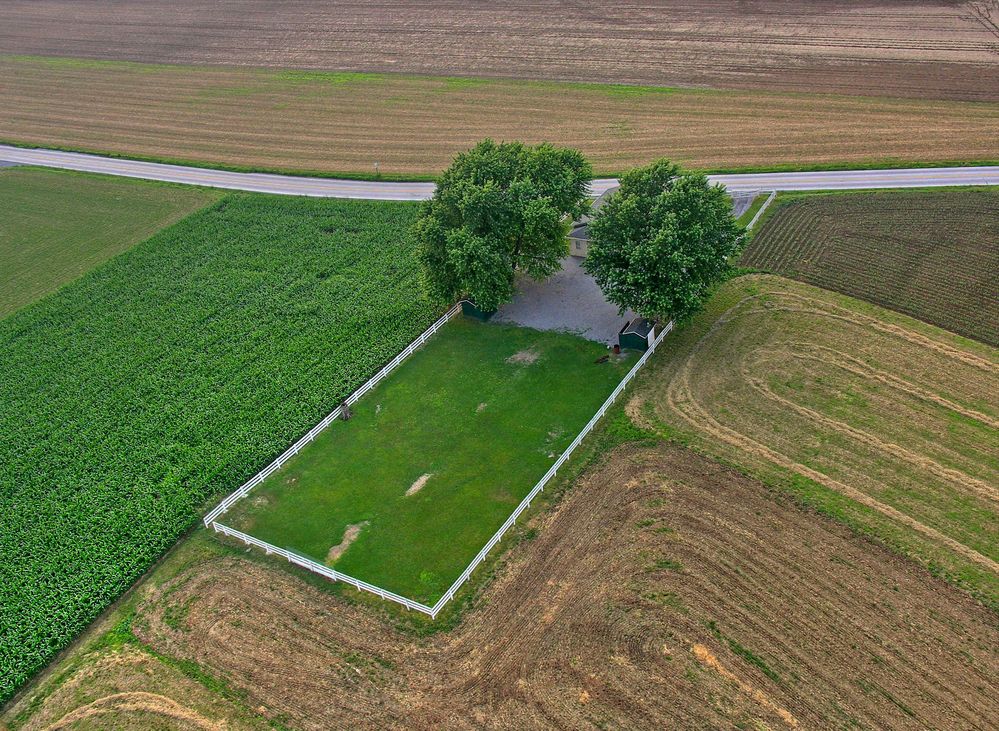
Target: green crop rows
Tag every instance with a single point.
(931, 254)
(170, 375)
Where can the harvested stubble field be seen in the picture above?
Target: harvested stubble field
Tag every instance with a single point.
(413, 126)
(663, 591)
(887, 423)
(56, 225)
(933, 255)
(915, 48)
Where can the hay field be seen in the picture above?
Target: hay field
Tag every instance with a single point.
(664, 591)
(933, 255)
(56, 225)
(882, 421)
(412, 126)
(912, 48)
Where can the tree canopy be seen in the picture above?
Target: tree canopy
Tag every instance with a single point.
(662, 240)
(499, 209)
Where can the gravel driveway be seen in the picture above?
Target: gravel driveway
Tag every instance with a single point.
(568, 301)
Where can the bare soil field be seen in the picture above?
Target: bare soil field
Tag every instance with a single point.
(336, 123)
(933, 255)
(663, 591)
(915, 48)
(882, 421)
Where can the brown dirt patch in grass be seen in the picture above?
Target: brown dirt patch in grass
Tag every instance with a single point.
(653, 564)
(524, 357)
(415, 125)
(418, 484)
(927, 48)
(895, 415)
(349, 536)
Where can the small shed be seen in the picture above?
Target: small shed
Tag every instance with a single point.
(579, 240)
(468, 309)
(639, 334)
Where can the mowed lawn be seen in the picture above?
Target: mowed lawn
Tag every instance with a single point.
(56, 225)
(483, 409)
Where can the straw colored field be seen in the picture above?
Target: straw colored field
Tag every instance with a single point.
(330, 123)
(664, 591)
(887, 423)
(916, 48)
(55, 226)
(930, 254)
(436, 457)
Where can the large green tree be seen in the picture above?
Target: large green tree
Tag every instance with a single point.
(499, 209)
(662, 240)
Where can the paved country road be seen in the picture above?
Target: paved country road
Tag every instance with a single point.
(384, 190)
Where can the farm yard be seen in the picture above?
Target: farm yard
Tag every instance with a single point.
(57, 225)
(686, 594)
(436, 457)
(169, 375)
(412, 126)
(923, 49)
(933, 255)
(885, 423)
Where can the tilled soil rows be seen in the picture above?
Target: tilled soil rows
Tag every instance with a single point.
(664, 591)
(403, 125)
(921, 49)
(930, 254)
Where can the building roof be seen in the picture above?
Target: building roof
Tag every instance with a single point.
(639, 326)
(580, 232)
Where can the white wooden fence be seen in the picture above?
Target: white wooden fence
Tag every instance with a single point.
(220, 509)
(766, 204)
(212, 522)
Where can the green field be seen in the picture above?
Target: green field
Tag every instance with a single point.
(462, 410)
(931, 254)
(170, 374)
(57, 225)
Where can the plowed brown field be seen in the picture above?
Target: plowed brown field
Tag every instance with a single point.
(415, 125)
(889, 424)
(663, 591)
(915, 48)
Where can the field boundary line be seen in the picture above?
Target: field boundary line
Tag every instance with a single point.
(211, 519)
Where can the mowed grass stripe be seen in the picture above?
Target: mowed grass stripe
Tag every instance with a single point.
(882, 421)
(413, 126)
(57, 225)
(169, 375)
(482, 409)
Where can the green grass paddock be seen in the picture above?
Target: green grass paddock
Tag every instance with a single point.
(485, 429)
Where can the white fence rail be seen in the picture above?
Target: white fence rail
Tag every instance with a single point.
(211, 518)
(766, 204)
(220, 509)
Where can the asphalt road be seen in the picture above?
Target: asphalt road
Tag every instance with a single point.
(381, 190)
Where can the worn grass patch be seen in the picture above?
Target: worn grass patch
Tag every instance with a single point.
(57, 225)
(425, 419)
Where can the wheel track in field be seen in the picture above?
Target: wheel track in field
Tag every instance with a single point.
(681, 399)
(976, 486)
